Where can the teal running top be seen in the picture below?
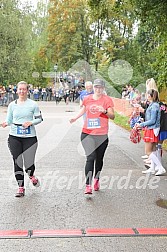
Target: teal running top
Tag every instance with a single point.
(17, 114)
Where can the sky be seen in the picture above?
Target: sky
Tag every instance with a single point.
(33, 2)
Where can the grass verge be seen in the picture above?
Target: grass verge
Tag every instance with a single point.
(122, 121)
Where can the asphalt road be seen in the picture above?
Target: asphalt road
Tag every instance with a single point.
(127, 198)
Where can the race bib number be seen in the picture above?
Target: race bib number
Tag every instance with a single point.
(93, 123)
(23, 131)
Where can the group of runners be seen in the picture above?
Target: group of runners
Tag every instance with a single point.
(97, 108)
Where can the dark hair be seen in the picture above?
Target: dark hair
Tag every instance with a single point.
(154, 94)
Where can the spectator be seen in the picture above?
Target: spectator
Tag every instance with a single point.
(152, 127)
(135, 116)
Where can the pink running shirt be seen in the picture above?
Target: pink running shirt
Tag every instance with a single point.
(96, 123)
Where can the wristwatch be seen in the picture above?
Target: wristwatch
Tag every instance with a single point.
(106, 112)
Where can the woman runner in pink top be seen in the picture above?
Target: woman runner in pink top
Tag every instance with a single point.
(94, 137)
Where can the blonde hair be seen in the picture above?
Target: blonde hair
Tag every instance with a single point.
(87, 83)
(22, 82)
(151, 84)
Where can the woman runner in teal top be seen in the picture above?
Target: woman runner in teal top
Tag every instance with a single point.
(22, 115)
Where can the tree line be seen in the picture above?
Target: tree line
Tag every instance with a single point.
(96, 31)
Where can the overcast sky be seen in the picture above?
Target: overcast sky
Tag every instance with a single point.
(33, 2)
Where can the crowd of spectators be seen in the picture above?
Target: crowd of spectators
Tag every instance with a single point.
(137, 101)
(7, 94)
(65, 91)
(133, 95)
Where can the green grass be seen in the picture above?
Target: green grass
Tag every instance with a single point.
(122, 121)
(164, 146)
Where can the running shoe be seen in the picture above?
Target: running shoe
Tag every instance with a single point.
(147, 161)
(160, 171)
(145, 156)
(96, 184)
(35, 181)
(20, 192)
(88, 189)
(150, 170)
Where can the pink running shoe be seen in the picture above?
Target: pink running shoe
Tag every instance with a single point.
(35, 181)
(88, 189)
(96, 185)
(20, 192)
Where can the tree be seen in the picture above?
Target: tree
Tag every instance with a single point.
(151, 39)
(69, 32)
(13, 42)
(23, 35)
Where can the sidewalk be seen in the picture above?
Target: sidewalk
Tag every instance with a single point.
(126, 201)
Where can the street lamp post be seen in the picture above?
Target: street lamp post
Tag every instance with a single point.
(55, 69)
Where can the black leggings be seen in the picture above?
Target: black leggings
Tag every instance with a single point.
(94, 146)
(23, 150)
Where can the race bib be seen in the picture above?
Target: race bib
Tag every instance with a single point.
(93, 123)
(23, 131)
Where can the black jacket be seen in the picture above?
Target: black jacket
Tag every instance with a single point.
(163, 119)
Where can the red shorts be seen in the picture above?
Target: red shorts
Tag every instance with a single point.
(149, 136)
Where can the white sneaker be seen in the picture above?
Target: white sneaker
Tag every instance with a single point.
(145, 156)
(147, 161)
(150, 170)
(160, 171)
(156, 168)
